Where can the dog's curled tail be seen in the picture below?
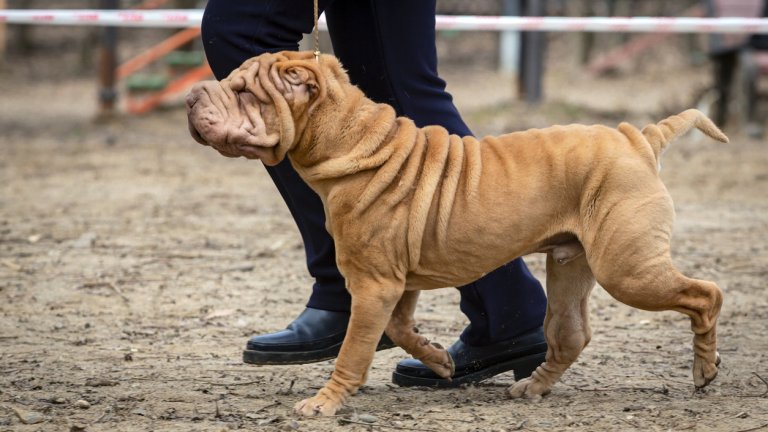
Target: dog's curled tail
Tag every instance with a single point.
(659, 135)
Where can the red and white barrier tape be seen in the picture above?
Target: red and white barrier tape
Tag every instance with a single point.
(192, 17)
(179, 18)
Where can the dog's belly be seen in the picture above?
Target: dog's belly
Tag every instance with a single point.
(469, 258)
(428, 280)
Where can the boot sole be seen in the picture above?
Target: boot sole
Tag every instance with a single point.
(523, 367)
(301, 357)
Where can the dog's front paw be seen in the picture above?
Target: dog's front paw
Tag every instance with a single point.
(528, 388)
(317, 405)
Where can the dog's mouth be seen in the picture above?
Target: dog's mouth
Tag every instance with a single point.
(202, 117)
(191, 100)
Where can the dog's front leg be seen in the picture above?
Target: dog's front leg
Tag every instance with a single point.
(372, 305)
(402, 330)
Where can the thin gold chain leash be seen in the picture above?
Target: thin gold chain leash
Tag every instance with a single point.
(317, 34)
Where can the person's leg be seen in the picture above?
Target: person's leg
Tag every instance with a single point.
(388, 48)
(232, 33)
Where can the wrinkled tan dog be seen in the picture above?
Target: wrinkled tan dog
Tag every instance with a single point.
(415, 208)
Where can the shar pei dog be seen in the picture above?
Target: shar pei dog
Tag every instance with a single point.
(416, 208)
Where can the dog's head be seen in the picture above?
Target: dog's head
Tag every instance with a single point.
(261, 109)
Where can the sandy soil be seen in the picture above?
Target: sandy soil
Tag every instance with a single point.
(134, 264)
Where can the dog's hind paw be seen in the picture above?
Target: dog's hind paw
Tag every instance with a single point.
(704, 371)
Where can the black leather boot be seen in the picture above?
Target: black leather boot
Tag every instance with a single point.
(314, 336)
(521, 354)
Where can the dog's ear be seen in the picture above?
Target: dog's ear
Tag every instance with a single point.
(303, 79)
(299, 81)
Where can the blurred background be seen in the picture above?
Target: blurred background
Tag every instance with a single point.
(141, 69)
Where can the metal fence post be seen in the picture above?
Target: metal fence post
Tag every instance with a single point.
(509, 41)
(533, 55)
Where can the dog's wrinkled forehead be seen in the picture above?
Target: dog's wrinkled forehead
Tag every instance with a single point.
(254, 76)
(265, 74)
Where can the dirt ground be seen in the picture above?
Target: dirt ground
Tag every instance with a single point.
(134, 264)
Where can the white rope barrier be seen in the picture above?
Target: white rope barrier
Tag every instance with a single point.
(605, 24)
(181, 18)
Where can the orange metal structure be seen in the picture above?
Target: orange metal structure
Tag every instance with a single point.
(177, 85)
(157, 51)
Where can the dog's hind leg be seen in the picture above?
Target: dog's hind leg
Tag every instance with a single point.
(566, 325)
(402, 330)
(662, 287)
(632, 261)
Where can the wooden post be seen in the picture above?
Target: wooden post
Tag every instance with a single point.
(22, 34)
(587, 38)
(108, 64)
(2, 33)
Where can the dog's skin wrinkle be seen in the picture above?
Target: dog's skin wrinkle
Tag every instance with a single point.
(389, 177)
(590, 210)
(415, 208)
(347, 127)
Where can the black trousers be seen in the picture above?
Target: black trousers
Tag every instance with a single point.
(388, 48)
